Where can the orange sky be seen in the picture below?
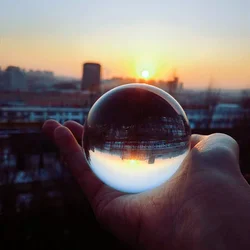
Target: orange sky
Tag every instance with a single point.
(198, 46)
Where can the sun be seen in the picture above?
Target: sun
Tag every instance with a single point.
(132, 162)
(145, 74)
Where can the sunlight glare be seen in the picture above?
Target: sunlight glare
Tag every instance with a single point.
(145, 74)
(133, 162)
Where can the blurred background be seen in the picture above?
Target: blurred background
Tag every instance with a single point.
(58, 57)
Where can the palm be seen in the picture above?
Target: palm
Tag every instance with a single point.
(125, 214)
(132, 216)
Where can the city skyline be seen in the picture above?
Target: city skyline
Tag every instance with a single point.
(199, 39)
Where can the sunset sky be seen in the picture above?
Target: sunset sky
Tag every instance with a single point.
(199, 38)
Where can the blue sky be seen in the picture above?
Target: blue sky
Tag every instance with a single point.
(126, 36)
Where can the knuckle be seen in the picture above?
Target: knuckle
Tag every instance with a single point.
(217, 149)
(224, 137)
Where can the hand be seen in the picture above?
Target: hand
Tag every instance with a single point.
(205, 205)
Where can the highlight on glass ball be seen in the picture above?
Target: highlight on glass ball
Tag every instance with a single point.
(136, 137)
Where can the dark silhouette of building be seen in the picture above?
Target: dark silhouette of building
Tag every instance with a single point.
(14, 79)
(91, 76)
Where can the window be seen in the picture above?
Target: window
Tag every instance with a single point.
(39, 113)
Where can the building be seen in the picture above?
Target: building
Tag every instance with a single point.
(221, 116)
(199, 116)
(55, 98)
(91, 78)
(227, 115)
(40, 80)
(14, 79)
(1, 78)
(31, 114)
(67, 85)
(39, 73)
(109, 84)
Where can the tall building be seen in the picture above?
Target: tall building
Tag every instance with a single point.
(1, 74)
(14, 79)
(1, 79)
(91, 78)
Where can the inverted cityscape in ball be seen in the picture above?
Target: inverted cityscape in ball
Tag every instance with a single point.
(136, 137)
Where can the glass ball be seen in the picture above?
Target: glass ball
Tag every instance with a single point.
(136, 137)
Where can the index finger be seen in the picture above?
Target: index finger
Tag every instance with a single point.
(73, 155)
(75, 128)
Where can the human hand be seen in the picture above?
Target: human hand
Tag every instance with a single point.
(207, 196)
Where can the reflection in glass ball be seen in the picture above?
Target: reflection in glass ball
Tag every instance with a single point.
(136, 137)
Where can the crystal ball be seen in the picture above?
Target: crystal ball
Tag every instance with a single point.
(135, 137)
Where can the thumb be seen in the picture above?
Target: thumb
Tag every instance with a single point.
(216, 151)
